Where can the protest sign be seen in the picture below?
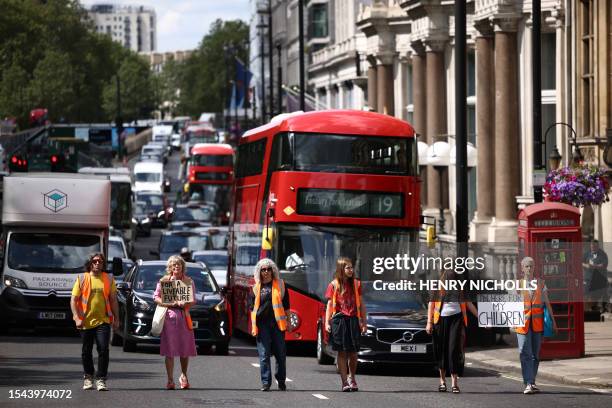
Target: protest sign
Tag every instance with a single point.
(176, 291)
(500, 310)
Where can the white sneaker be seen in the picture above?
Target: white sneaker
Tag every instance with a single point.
(87, 383)
(101, 385)
(535, 389)
(529, 389)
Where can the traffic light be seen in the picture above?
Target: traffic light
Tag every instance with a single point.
(57, 162)
(18, 164)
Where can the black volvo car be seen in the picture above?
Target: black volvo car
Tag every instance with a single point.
(210, 316)
(396, 330)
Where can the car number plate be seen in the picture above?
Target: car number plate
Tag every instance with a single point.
(195, 324)
(51, 315)
(408, 348)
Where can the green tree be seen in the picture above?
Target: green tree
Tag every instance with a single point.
(136, 85)
(53, 86)
(14, 96)
(202, 77)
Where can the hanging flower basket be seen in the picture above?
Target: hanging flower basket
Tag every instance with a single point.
(578, 186)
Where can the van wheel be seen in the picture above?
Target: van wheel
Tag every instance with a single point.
(322, 357)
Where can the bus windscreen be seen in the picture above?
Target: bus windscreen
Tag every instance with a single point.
(315, 152)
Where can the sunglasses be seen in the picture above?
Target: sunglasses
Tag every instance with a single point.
(266, 269)
(96, 261)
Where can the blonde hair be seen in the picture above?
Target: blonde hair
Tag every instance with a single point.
(265, 263)
(175, 260)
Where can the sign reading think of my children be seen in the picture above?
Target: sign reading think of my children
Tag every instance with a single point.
(176, 291)
(500, 310)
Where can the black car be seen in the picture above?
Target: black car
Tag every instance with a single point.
(171, 243)
(136, 307)
(141, 217)
(396, 330)
(156, 206)
(187, 216)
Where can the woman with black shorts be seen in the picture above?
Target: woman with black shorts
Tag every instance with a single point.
(345, 320)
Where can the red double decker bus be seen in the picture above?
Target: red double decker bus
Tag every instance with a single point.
(311, 187)
(210, 174)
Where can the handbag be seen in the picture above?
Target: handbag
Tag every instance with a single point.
(548, 324)
(158, 320)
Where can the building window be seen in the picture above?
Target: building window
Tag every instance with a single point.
(549, 93)
(318, 21)
(586, 67)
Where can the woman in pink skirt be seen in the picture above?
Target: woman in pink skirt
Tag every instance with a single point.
(177, 338)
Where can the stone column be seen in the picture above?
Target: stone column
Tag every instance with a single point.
(372, 86)
(436, 114)
(384, 84)
(419, 117)
(328, 96)
(507, 172)
(485, 139)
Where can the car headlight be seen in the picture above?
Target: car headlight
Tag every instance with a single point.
(134, 220)
(145, 221)
(14, 282)
(370, 331)
(221, 306)
(293, 321)
(161, 214)
(140, 304)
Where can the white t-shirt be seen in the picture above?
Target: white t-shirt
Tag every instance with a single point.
(450, 308)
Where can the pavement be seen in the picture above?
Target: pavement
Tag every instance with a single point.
(592, 370)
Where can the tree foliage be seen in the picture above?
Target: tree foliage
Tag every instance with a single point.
(51, 58)
(203, 79)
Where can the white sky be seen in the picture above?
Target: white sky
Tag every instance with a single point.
(181, 24)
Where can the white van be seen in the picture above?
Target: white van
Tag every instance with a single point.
(149, 176)
(52, 223)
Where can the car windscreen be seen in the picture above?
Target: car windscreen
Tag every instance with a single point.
(153, 200)
(213, 261)
(218, 240)
(147, 177)
(174, 243)
(148, 276)
(211, 160)
(51, 253)
(203, 214)
(115, 249)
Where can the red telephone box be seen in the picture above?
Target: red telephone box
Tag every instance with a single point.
(550, 234)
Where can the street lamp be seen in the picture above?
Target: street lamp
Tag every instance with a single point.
(554, 159)
(577, 156)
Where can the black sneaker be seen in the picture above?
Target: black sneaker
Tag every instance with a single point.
(282, 386)
(265, 387)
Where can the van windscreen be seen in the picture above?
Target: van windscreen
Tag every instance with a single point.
(51, 253)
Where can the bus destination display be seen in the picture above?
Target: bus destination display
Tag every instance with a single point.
(344, 203)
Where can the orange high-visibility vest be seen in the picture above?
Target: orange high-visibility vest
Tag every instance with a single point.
(278, 291)
(356, 287)
(82, 302)
(188, 320)
(438, 310)
(534, 311)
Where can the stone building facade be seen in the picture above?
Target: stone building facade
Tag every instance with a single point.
(397, 57)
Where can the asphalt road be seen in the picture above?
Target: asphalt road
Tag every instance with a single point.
(50, 361)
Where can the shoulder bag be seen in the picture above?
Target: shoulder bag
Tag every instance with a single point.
(158, 320)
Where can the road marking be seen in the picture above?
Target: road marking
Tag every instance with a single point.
(468, 364)
(255, 365)
(320, 396)
(590, 378)
(232, 352)
(288, 379)
(601, 390)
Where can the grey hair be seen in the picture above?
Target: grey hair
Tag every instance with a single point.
(175, 260)
(265, 262)
(527, 260)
